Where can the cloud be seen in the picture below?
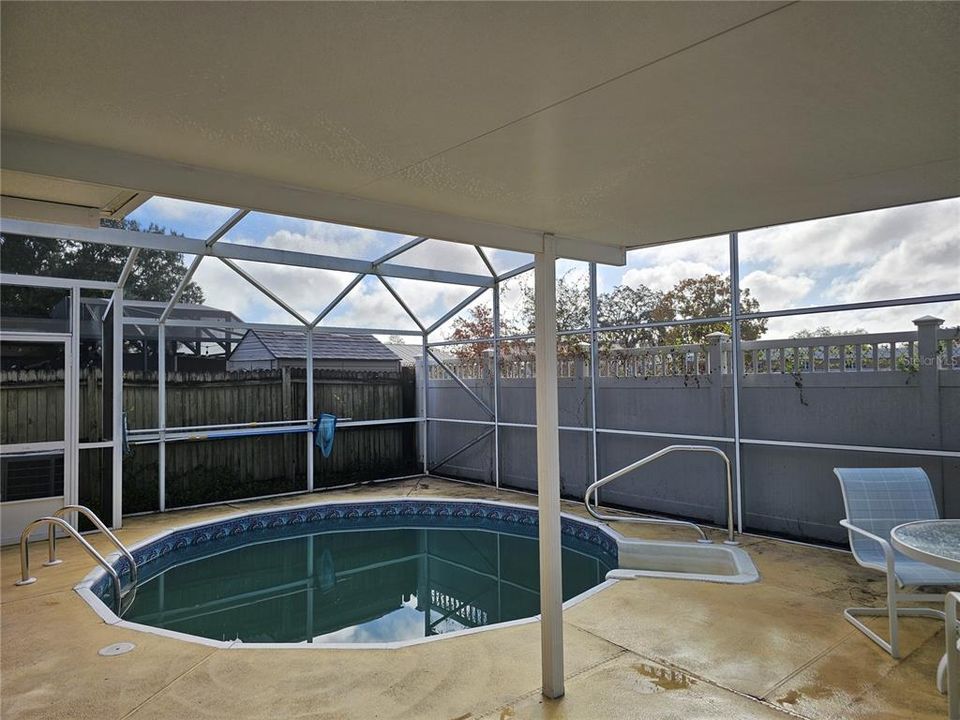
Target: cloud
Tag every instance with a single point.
(663, 277)
(848, 243)
(430, 301)
(504, 260)
(370, 306)
(191, 218)
(314, 237)
(441, 255)
(873, 320)
(909, 268)
(661, 267)
(900, 252)
(712, 251)
(172, 209)
(777, 291)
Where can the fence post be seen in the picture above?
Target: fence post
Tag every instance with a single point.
(93, 418)
(715, 341)
(286, 408)
(929, 378)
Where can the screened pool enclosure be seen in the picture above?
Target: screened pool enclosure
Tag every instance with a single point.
(645, 358)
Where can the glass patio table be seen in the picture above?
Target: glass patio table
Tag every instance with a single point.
(936, 542)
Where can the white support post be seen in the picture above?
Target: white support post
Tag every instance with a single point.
(71, 465)
(117, 396)
(736, 367)
(162, 414)
(594, 374)
(309, 409)
(495, 369)
(548, 469)
(425, 366)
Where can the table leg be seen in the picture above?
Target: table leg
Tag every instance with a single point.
(948, 675)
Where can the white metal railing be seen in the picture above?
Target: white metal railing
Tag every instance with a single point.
(592, 490)
(92, 517)
(27, 579)
(860, 353)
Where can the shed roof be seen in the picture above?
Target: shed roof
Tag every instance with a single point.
(412, 354)
(326, 346)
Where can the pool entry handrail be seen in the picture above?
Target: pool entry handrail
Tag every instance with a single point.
(101, 526)
(27, 579)
(56, 520)
(592, 490)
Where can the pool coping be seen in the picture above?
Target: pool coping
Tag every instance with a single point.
(109, 617)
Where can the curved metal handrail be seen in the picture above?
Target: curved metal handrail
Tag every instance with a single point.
(26, 579)
(91, 516)
(592, 490)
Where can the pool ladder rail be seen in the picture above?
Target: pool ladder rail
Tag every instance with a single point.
(56, 521)
(592, 490)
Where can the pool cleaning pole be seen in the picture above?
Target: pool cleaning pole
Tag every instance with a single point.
(548, 468)
(309, 409)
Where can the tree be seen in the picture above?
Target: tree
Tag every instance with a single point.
(704, 297)
(826, 331)
(820, 355)
(573, 312)
(477, 324)
(573, 302)
(155, 276)
(691, 298)
(626, 305)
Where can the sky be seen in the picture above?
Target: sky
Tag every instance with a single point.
(899, 252)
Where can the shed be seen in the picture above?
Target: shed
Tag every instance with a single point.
(271, 349)
(411, 355)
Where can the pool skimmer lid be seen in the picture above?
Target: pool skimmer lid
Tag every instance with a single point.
(121, 648)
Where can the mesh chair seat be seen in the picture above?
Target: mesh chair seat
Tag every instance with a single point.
(909, 571)
(877, 500)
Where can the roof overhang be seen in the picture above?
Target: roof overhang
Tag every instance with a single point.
(607, 125)
(27, 196)
(209, 185)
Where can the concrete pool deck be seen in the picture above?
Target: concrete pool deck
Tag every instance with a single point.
(640, 649)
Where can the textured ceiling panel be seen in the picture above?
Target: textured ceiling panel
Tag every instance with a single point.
(622, 123)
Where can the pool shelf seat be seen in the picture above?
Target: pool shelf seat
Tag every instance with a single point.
(683, 561)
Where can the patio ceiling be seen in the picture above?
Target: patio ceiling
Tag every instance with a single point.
(609, 125)
(35, 197)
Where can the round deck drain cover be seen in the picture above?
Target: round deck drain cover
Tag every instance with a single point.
(116, 649)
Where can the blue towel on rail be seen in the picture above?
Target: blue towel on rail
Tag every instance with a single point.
(323, 436)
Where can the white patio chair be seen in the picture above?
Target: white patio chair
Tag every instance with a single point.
(950, 684)
(876, 501)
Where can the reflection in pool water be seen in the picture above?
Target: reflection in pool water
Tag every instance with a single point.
(358, 586)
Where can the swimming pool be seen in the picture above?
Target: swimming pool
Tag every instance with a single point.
(371, 573)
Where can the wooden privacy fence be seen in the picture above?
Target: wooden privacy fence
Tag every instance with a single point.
(31, 405)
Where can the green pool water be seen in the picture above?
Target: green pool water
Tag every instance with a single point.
(357, 586)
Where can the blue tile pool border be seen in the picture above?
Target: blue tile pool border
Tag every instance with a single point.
(185, 543)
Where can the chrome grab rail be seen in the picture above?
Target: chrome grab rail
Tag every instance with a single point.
(91, 516)
(26, 579)
(659, 521)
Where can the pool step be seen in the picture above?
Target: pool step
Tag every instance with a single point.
(683, 561)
